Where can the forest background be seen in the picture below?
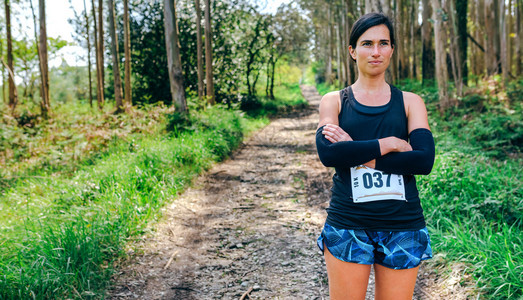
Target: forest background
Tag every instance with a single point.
(90, 154)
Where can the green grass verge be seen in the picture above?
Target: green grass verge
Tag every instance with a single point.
(60, 234)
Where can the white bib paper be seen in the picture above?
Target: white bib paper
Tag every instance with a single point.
(369, 184)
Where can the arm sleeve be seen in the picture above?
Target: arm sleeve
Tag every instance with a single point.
(345, 154)
(418, 161)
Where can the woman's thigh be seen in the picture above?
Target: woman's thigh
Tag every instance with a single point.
(346, 280)
(394, 284)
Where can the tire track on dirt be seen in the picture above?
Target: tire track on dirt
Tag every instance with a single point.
(249, 225)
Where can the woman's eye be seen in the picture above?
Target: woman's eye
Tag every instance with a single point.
(366, 44)
(384, 43)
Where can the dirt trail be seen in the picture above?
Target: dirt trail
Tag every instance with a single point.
(249, 224)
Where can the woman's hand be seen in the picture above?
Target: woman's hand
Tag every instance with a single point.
(393, 144)
(334, 133)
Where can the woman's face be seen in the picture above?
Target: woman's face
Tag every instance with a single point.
(373, 50)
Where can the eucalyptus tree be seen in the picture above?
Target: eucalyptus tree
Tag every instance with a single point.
(99, 60)
(115, 58)
(13, 94)
(199, 49)
(127, 51)
(88, 39)
(208, 54)
(174, 64)
(44, 65)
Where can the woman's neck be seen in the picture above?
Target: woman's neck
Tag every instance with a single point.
(371, 85)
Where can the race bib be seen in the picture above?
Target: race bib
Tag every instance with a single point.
(369, 184)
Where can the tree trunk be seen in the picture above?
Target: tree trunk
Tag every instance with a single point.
(4, 94)
(519, 38)
(503, 42)
(44, 68)
(13, 99)
(88, 55)
(101, 46)
(454, 50)
(199, 49)
(441, 54)
(127, 50)
(208, 54)
(173, 57)
(328, 63)
(461, 22)
(427, 56)
(99, 62)
(115, 58)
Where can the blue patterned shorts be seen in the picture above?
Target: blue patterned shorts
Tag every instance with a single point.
(392, 249)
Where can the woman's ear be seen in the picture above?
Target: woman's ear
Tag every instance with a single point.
(352, 52)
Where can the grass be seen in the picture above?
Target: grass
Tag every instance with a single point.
(62, 227)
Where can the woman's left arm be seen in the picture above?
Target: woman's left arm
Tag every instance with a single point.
(421, 159)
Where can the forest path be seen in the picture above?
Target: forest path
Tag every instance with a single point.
(249, 225)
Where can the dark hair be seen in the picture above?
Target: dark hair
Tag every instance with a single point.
(367, 21)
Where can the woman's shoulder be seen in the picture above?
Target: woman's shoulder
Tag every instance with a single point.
(331, 102)
(331, 98)
(412, 99)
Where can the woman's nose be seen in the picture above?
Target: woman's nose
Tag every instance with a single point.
(375, 50)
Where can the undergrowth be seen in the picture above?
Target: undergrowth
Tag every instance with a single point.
(62, 228)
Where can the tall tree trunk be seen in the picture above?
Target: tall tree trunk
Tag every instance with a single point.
(99, 62)
(461, 18)
(519, 37)
(503, 42)
(13, 99)
(328, 63)
(127, 50)
(199, 49)
(455, 54)
(115, 58)
(4, 94)
(427, 59)
(101, 46)
(173, 57)
(88, 55)
(44, 68)
(208, 54)
(441, 54)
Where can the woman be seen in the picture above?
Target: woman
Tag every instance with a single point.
(375, 217)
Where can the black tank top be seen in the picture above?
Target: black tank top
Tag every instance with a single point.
(363, 122)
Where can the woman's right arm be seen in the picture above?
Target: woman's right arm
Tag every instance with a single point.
(335, 147)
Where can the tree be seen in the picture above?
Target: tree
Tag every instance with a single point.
(100, 99)
(174, 63)
(199, 49)
(88, 54)
(427, 56)
(208, 53)
(115, 59)
(101, 52)
(44, 67)
(127, 50)
(461, 24)
(13, 95)
(441, 54)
